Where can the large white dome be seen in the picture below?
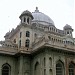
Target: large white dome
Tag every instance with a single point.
(41, 18)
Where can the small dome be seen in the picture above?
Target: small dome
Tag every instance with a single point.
(41, 18)
(67, 27)
(28, 13)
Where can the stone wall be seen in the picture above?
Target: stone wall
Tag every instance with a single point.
(12, 61)
(45, 63)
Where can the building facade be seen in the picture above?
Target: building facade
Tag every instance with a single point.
(37, 47)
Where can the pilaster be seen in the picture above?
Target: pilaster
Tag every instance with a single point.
(66, 66)
(47, 63)
(21, 65)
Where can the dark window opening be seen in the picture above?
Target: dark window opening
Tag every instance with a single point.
(14, 40)
(27, 34)
(59, 69)
(50, 28)
(71, 69)
(49, 37)
(24, 19)
(19, 43)
(28, 20)
(67, 32)
(44, 61)
(27, 43)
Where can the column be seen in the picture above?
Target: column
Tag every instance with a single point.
(47, 64)
(66, 66)
(21, 65)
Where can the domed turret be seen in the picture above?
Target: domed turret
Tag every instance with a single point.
(41, 18)
(27, 13)
(66, 27)
(26, 17)
(68, 30)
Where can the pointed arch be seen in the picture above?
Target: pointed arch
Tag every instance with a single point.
(71, 68)
(36, 64)
(37, 68)
(59, 68)
(6, 69)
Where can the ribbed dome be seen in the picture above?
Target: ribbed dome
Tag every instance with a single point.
(41, 18)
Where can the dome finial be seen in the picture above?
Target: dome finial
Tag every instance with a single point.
(36, 9)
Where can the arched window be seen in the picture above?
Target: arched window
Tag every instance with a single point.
(67, 32)
(71, 69)
(50, 62)
(50, 28)
(27, 34)
(27, 43)
(28, 20)
(49, 37)
(6, 69)
(20, 43)
(52, 39)
(56, 40)
(24, 19)
(36, 65)
(59, 68)
(14, 40)
(44, 62)
(37, 68)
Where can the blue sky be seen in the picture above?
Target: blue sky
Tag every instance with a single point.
(60, 11)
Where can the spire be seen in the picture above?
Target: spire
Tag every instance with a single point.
(36, 9)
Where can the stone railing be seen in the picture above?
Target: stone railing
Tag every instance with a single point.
(62, 45)
(47, 42)
(7, 50)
